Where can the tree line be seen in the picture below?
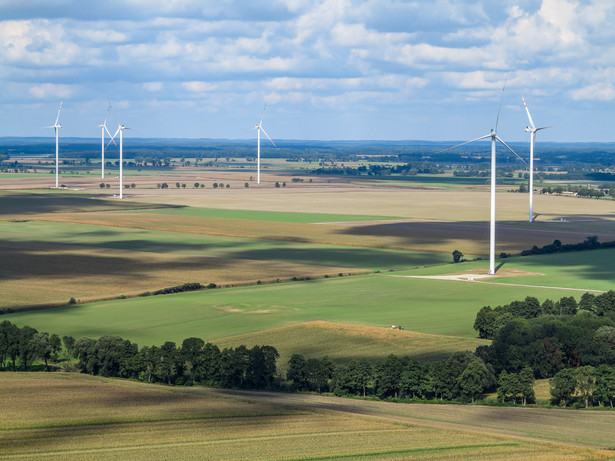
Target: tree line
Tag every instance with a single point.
(590, 243)
(192, 362)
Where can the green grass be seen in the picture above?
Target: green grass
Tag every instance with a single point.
(275, 216)
(422, 305)
(583, 270)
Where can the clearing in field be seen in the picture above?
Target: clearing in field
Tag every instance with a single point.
(107, 419)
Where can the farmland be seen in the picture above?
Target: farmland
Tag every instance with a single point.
(109, 419)
(315, 268)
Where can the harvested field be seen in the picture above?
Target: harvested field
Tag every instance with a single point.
(342, 342)
(111, 419)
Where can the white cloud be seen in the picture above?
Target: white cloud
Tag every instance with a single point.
(152, 86)
(596, 92)
(50, 90)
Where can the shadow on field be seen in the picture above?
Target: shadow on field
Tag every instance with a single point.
(54, 201)
(510, 236)
(345, 257)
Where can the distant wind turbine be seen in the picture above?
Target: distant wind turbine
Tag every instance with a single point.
(259, 127)
(103, 128)
(531, 129)
(494, 137)
(120, 130)
(56, 126)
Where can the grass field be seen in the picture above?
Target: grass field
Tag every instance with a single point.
(441, 307)
(95, 418)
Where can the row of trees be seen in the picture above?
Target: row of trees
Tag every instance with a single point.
(193, 362)
(463, 377)
(590, 243)
(586, 385)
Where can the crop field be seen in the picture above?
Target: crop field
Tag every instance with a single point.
(432, 306)
(111, 419)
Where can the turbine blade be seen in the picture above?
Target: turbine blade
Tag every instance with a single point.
(543, 128)
(528, 115)
(113, 137)
(510, 149)
(58, 117)
(112, 140)
(464, 143)
(497, 119)
(268, 137)
(263, 115)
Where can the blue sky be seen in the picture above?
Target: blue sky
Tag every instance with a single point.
(328, 69)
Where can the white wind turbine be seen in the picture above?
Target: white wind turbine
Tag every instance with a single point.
(56, 126)
(531, 129)
(120, 130)
(494, 137)
(103, 128)
(259, 127)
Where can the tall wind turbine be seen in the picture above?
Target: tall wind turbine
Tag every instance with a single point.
(531, 129)
(103, 128)
(494, 137)
(259, 127)
(120, 130)
(56, 126)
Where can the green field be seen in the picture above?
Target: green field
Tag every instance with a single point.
(582, 270)
(428, 306)
(272, 215)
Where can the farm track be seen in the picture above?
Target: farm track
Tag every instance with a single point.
(475, 279)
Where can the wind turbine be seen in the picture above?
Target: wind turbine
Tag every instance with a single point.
(259, 127)
(531, 129)
(494, 137)
(120, 130)
(56, 126)
(103, 128)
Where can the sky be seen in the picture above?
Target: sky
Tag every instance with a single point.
(326, 69)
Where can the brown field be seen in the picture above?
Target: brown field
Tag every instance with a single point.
(432, 220)
(343, 342)
(66, 416)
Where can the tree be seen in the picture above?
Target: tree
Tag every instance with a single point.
(387, 377)
(246, 185)
(26, 351)
(357, 376)
(41, 347)
(526, 385)
(277, 185)
(56, 345)
(586, 382)
(319, 372)
(485, 322)
(297, 372)
(563, 385)
(69, 345)
(473, 380)
(605, 384)
(413, 379)
(457, 255)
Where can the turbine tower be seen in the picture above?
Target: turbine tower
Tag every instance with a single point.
(494, 137)
(259, 127)
(120, 130)
(531, 129)
(103, 128)
(56, 126)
